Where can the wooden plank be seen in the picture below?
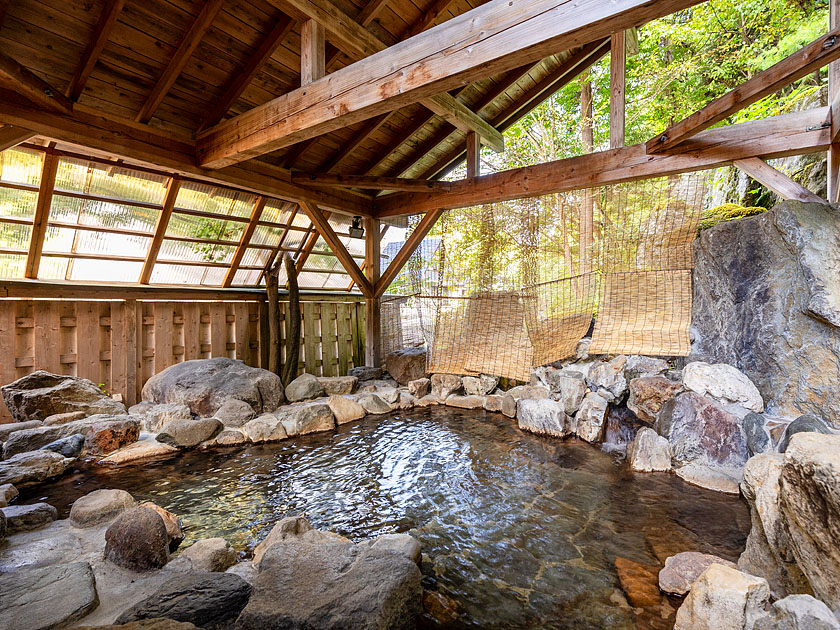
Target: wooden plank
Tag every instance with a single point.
(87, 341)
(218, 330)
(329, 340)
(373, 183)
(42, 215)
(130, 340)
(242, 333)
(345, 337)
(119, 343)
(462, 117)
(8, 332)
(487, 40)
(192, 331)
(264, 338)
(325, 230)
(311, 341)
(11, 136)
(161, 224)
(618, 83)
(244, 240)
(428, 18)
(32, 87)
(164, 332)
(348, 148)
(777, 181)
(189, 43)
(101, 34)
(46, 336)
(780, 136)
(312, 51)
(473, 156)
(801, 63)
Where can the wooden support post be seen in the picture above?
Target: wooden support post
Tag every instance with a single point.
(312, 51)
(42, 215)
(101, 34)
(373, 306)
(473, 155)
(618, 69)
(776, 181)
(160, 229)
(834, 103)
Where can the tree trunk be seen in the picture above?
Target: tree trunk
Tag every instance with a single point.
(292, 323)
(272, 293)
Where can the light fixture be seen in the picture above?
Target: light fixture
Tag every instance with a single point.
(356, 230)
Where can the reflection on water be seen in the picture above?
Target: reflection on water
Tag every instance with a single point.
(521, 531)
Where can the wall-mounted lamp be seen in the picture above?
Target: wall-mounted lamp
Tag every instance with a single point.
(356, 230)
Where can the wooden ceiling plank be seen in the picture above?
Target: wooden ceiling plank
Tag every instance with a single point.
(800, 64)
(161, 224)
(32, 87)
(428, 18)
(408, 248)
(49, 170)
(777, 181)
(101, 34)
(348, 148)
(244, 240)
(173, 69)
(372, 183)
(11, 136)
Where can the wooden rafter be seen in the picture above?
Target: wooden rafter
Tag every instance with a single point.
(101, 34)
(312, 51)
(473, 157)
(12, 136)
(780, 136)
(32, 87)
(800, 64)
(373, 183)
(4, 7)
(307, 244)
(179, 60)
(618, 85)
(365, 17)
(428, 18)
(776, 181)
(348, 148)
(319, 220)
(42, 215)
(244, 240)
(243, 77)
(160, 229)
(408, 248)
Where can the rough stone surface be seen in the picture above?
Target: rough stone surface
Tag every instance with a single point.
(174, 532)
(145, 449)
(100, 506)
(332, 587)
(755, 433)
(7, 429)
(304, 387)
(306, 418)
(714, 479)
(390, 395)
(266, 428)
(365, 372)
(648, 394)
(207, 599)
(806, 423)
(295, 528)
(493, 402)
(545, 417)
(569, 389)
(532, 392)
(7, 493)
(798, 612)
(428, 400)
(158, 415)
(407, 364)
(444, 385)
(465, 402)
(107, 436)
(479, 385)
(36, 437)
(210, 555)
(137, 540)
(64, 418)
(607, 379)
(407, 401)
(767, 300)
(70, 446)
(419, 387)
(723, 383)
(398, 543)
(205, 384)
(509, 404)
(41, 394)
(234, 413)
(683, 569)
(591, 418)
(24, 518)
(345, 409)
(47, 597)
(338, 385)
(146, 624)
(33, 467)
(373, 404)
(229, 436)
(141, 408)
(639, 366)
(189, 433)
(649, 452)
(723, 598)
(701, 430)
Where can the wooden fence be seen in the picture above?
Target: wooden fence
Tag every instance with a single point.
(120, 344)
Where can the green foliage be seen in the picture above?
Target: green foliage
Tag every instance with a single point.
(727, 212)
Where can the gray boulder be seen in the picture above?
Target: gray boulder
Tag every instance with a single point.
(365, 372)
(158, 415)
(296, 528)
(798, 612)
(47, 597)
(33, 467)
(479, 385)
(419, 387)
(7, 429)
(444, 385)
(345, 409)
(639, 366)
(206, 599)
(70, 446)
(41, 394)
(64, 418)
(24, 518)
(137, 540)
(607, 379)
(465, 402)
(544, 417)
(36, 437)
(234, 413)
(304, 387)
(723, 598)
(591, 418)
(681, 571)
(649, 452)
(406, 365)
(266, 428)
(205, 384)
(373, 404)
(723, 383)
(306, 418)
(189, 433)
(7, 493)
(209, 555)
(755, 432)
(100, 506)
(338, 385)
(803, 424)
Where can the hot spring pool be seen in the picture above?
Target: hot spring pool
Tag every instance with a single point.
(521, 531)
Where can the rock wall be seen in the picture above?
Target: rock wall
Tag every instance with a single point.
(767, 300)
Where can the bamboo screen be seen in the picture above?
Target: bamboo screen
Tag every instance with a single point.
(500, 289)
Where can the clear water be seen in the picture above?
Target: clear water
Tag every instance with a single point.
(521, 531)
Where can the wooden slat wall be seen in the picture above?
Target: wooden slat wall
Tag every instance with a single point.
(122, 343)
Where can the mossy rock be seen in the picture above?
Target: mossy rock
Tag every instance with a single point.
(727, 212)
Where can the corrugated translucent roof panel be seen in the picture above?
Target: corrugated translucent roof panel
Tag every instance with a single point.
(12, 265)
(195, 252)
(183, 274)
(207, 198)
(102, 214)
(17, 204)
(90, 178)
(20, 166)
(67, 240)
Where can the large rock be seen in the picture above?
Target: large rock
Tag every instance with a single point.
(365, 372)
(419, 387)
(306, 418)
(639, 366)
(24, 518)
(569, 389)
(144, 449)
(338, 385)
(209, 555)
(406, 365)
(700, 430)
(767, 300)
(723, 383)
(158, 415)
(607, 379)
(649, 452)
(41, 394)
(189, 433)
(295, 528)
(465, 402)
(137, 540)
(146, 624)
(399, 543)
(648, 394)
(33, 467)
(715, 479)
(330, 587)
(37, 437)
(47, 597)
(591, 418)
(206, 599)
(70, 446)
(304, 387)
(174, 531)
(806, 423)
(373, 404)
(479, 385)
(107, 436)
(723, 598)
(755, 433)
(810, 503)
(345, 409)
(234, 413)
(681, 571)
(545, 417)
(205, 384)
(7, 493)
(64, 418)
(266, 428)
(798, 612)
(7, 429)
(100, 506)
(444, 385)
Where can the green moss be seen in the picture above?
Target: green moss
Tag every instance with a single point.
(727, 212)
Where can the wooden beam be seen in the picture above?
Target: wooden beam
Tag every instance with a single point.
(312, 50)
(371, 11)
(4, 8)
(373, 305)
(243, 77)
(244, 240)
(160, 229)
(776, 181)
(408, 248)
(173, 69)
(101, 34)
(32, 87)
(42, 215)
(373, 183)
(454, 111)
(618, 82)
(328, 234)
(12, 136)
(473, 156)
(780, 136)
(802, 63)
